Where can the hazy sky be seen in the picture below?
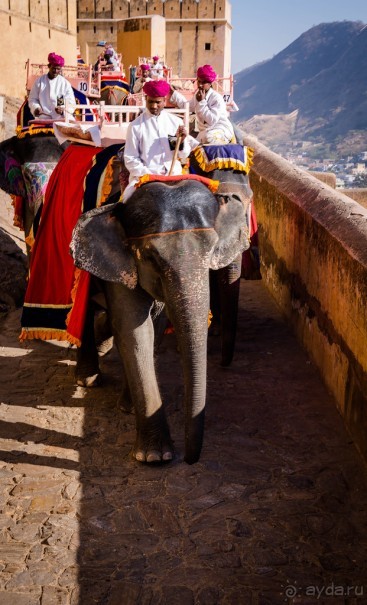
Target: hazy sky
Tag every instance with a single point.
(262, 28)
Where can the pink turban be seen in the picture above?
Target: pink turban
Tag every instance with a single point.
(156, 88)
(206, 73)
(145, 67)
(155, 58)
(56, 60)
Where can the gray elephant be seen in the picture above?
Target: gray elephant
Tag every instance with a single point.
(160, 246)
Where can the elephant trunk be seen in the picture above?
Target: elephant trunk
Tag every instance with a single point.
(187, 300)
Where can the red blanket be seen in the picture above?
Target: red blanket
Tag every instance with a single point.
(57, 293)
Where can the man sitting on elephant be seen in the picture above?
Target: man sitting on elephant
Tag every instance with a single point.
(145, 77)
(210, 109)
(50, 91)
(147, 148)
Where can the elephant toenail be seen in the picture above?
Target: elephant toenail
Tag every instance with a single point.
(154, 457)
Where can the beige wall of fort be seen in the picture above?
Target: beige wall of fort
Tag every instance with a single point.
(189, 33)
(30, 30)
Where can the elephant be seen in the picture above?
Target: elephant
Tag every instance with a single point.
(114, 91)
(158, 248)
(224, 282)
(26, 163)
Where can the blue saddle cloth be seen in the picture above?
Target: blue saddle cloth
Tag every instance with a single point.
(212, 157)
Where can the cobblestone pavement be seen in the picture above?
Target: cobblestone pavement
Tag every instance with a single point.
(274, 512)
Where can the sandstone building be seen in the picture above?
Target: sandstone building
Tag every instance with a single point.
(187, 33)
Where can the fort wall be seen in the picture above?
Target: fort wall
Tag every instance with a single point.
(195, 32)
(314, 262)
(31, 30)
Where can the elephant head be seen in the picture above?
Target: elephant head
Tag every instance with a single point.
(163, 241)
(26, 164)
(114, 92)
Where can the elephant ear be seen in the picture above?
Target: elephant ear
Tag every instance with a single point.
(232, 230)
(99, 246)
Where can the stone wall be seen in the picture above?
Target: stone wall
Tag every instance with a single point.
(30, 30)
(196, 32)
(313, 243)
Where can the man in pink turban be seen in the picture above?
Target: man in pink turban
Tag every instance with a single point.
(206, 73)
(211, 113)
(156, 69)
(144, 77)
(51, 91)
(147, 148)
(56, 60)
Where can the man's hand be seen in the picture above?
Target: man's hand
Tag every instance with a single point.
(181, 132)
(200, 95)
(59, 110)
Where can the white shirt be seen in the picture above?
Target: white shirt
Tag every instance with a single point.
(147, 149)
(211, 112)
(156, 70)
(44, 93)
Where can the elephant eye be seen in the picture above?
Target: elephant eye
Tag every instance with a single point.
(236, 197)
(222, 199)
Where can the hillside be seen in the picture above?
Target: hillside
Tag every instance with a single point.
(321, 78)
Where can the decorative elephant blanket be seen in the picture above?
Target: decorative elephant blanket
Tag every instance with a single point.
(57, 292)
(219, 157)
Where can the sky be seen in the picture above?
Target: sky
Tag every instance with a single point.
(262, 28)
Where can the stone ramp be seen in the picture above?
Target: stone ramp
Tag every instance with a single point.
(274, 512)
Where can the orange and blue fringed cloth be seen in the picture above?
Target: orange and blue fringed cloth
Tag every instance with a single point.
(117, 83)
(217, 157)
(39, 129)
(57, 294)
(150, 178)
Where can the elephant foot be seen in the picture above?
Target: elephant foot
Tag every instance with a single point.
(153, 448)
(88, 381)
(105, 346)
(87, 373)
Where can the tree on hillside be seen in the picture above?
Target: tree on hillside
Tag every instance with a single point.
(360, 181)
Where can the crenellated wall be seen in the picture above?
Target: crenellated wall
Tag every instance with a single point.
(30, 29)
(196, 32)
(313, 243)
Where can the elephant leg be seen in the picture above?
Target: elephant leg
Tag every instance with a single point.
(87, 371)
(228, 290)
(133, 330)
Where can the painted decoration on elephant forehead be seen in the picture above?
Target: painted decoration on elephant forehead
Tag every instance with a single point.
(36, 177)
